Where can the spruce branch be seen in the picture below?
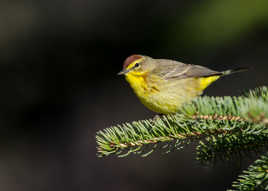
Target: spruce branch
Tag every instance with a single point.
(224, 126)
(255, 177)
(230, 146)
(169, 128)
(205, 116)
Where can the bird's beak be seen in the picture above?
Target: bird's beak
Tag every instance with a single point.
(124, 71)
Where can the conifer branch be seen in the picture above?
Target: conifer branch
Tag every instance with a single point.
(205, 116)
(255, 177)
(168, 128)
(230, 147)
(223, 125)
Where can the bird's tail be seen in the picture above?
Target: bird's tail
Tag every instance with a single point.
(232, 71)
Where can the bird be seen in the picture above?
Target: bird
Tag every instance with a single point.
(164, 85)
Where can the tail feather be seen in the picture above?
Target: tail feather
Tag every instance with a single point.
(232, 71)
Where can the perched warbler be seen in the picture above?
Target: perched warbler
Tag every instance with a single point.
(163, 85)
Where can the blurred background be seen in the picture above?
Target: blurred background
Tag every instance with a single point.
(58, 66)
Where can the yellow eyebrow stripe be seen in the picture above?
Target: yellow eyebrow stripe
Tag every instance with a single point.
(133, 63)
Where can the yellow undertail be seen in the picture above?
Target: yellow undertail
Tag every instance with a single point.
(206, 81)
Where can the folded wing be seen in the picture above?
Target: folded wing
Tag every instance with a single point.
(169, 69)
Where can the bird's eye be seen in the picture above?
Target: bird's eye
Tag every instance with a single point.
(137, 65)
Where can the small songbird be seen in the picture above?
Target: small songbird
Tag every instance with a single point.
(163, 85)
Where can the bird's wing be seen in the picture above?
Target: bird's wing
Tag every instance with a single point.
(169, 69)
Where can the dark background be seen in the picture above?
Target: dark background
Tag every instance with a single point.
(58, 66)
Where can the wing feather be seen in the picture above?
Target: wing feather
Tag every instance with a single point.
(168, 69)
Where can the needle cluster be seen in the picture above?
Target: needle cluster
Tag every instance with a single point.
(223, 127)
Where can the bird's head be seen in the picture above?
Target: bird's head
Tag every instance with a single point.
(136, 65)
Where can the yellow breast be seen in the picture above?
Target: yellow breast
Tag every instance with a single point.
(152, 96)
(167, 96)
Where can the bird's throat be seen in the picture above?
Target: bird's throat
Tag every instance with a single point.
(138, 83)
